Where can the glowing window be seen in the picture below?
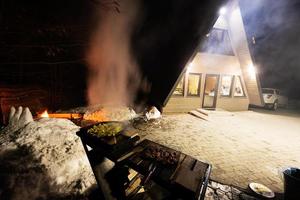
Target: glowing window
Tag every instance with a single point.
(238, 88)
(194, 84)
(217, 42)
(226, 85)
(179, 90)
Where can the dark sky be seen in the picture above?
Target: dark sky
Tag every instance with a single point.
(51, 32)
(43, 43)
(276, 28)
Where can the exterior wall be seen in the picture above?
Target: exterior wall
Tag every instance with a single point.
(182, 104)
(215, 64)
(204, 63)
(237, 65)
(233, 103)
(240, 45)
(221, 23)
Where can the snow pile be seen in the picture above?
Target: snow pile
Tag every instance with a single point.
(152, 113)
(17, 119)
(44, 159)
(54, 142)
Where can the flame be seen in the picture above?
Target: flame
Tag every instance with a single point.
(97, 116)
(44, 114)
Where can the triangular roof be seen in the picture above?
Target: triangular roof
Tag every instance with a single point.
(233, 23)
(168, 37)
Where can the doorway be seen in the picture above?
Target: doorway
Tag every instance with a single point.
(210, 91)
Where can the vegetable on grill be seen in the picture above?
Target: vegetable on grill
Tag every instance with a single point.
(106, 129)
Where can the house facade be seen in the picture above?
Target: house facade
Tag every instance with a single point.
(221, 74)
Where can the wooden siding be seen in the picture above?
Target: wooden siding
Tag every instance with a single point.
(221, 23)
(240, 45)
(233, 103)
(182, 104)
(215, 64)
(206, 63)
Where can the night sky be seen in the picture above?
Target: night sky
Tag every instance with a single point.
(276, 28)
(42, 42)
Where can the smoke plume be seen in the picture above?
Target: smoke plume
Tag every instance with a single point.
(113, 72)
(273, 31)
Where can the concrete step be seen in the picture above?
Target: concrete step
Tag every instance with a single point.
(201, 110)
(198, 115)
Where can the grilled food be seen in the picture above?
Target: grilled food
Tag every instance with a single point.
(106, 129)
(161, 155)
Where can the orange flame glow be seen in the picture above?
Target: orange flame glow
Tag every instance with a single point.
(44, 114)
(97, 116)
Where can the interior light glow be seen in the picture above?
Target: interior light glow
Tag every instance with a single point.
(223, 11)
(251, 71)
(189, 67)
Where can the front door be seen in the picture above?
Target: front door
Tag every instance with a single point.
(210, 91)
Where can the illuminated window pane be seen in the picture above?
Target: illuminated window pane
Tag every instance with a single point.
(179, 90)
(238, 89)
(217, 42)
(194, 85)
(226, 85)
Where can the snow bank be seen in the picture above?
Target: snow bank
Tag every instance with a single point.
(152, 113)
(44, 159)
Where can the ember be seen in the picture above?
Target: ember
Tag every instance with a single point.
(97, 116)
(45, 114)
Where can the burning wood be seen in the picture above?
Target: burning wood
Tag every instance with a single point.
(109, 113)
(85, 117)
(45, 114)
(97, 116)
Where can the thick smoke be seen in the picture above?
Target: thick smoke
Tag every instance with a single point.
(273, 31)
(113, 73)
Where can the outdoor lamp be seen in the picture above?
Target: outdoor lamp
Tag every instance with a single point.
(222, 11)
(251, 70)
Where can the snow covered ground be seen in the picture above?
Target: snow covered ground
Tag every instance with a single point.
(243, 147)
(43, 159)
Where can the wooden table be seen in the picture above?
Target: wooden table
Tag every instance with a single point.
(187, 179)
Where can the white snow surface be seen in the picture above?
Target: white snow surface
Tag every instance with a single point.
(43, 159)
(153, 113)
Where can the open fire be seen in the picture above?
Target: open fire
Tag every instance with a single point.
(45, 114)
(92, 115)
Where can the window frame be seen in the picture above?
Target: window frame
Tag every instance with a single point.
(183, 87)
(231, 52)
(232, 83)
(239, 77)
(199, 85)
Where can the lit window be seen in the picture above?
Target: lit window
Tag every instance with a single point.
(194, 84)
(217, 42)
(238, 89)
(226, 85)
(179, 90)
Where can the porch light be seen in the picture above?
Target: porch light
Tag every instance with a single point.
(222, 11)
(235, 14)
(189, 67)
(251, 71)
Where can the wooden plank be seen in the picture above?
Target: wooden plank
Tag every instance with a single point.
(203, 111)
(191, 174)
(198, 115)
